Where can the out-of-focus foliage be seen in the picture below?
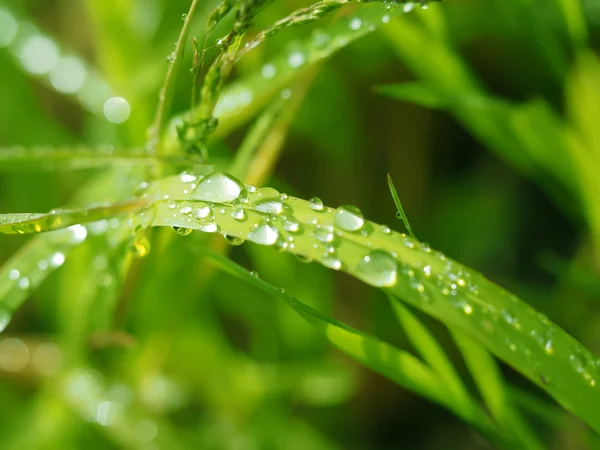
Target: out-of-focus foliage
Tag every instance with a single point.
(118, 335)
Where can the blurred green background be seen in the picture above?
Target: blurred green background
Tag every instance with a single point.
(175, 355)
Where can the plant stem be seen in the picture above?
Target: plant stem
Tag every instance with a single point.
(168, 88)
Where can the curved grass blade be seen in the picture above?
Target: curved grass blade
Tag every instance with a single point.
(342, 240)
(58, 219)
(396, 364)
(490, 383)
(431, 351)
(46, 252)
(77, 158)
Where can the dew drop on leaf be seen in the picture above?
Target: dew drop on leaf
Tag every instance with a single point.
(292, 225)
(349, 218)
(269, 206)
(182, 231)
(234, 240)
(263, 234)
(332, 263)
(201, 212)
(239, 214)
(209, 228)
(219, 188)
(316, 204)
(378, 268)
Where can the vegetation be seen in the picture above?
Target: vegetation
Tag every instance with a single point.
(165, 300)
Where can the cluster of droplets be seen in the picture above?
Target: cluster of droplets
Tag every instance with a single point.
(40, 56)
(435, 278)
(17, 355)
(109, 404)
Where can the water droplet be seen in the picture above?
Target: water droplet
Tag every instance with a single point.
(355, 23)
(9, 28)
(188, 178)
(378, 268)
(332, 263)
(263, 234)
(57, 260)
(39, 55)
(291, 225)
(14, 274)
(324, 235)
(269, 206)
(209, 228)
(285, 94)
(254, 274)
(23, 283)
(385, 19)
(234, 240)
(68, 75)
(201, 212)
(117, 110)
(182, 231)
(239, 214)
(349, 218)
(219, 188)
(78, 234)
(185, 209)
(172, 57)
(408, 7)
(296, 59)
(577, 363)
(268, 71)
(316, 204)
(184, 17)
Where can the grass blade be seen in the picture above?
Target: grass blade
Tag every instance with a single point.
(433, 354)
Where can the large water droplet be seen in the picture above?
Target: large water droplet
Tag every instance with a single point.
(378, 268)
(117, 110)
(263, 234)
(219, 188)
(349, 218)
